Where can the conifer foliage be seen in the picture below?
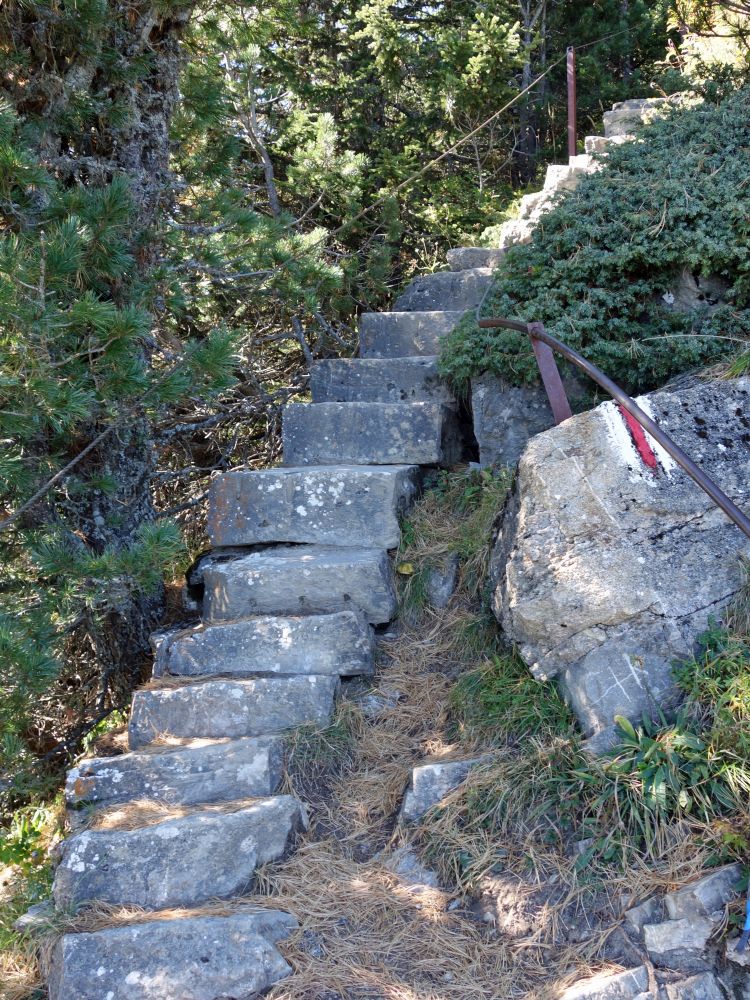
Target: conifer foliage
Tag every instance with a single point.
(88, 94)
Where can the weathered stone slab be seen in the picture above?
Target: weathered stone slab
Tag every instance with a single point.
(431, 782)
(702, 987)
(379, 380)
(605, 570)
(679, 944)
(405, 334)
(622, 986)
(230, 708)
(178, 862)
(330, 505)
(707, 897)
(370, 434)
(340, 644)
(187, 958)
(452, 290)
(468, 258)
(626, 116)
(200, 771)
(301, 579)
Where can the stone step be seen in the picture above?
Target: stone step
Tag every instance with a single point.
(370, 434)
(181, 958)
(452, 290)
(341, 644)
(467, 258)
(379, 380)
(404, 334)
(195, 772)
(300, 579)
(230, 708)
(180, 861)
(332, 505)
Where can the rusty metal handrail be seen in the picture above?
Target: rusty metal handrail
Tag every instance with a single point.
(545, 344)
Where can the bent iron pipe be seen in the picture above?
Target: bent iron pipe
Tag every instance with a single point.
(536, 332)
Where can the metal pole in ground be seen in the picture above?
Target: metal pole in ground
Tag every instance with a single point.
(572, 112)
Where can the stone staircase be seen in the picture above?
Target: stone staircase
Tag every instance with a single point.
(298, 578)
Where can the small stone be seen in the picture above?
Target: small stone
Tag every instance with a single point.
(679, 944)
(36, 919)
(648, 912)
(702, 987)
(441, 582)
(707, 897)
(432, 782)
(622, 986)
(739, 958)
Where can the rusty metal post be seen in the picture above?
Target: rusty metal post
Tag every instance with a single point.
(572, 108)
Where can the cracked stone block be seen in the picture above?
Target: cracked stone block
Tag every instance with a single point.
(332, 505)
(622, 986)
(199, 771)
(648, 912)
(702, 987)
(181, 861)
(231, 708)
(432, 782)
(370, 434)
(606, 569)
(679, 944)
(707, 897)
(405, 334)
(301, 580)
(186, 958)
(467, 258)
(341, 643)
(448, 290)
(379, 380)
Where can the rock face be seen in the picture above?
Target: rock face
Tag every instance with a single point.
(606, 570)
(506, 416)
(198, 958)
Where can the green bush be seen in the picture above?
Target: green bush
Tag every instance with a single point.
(597, 269)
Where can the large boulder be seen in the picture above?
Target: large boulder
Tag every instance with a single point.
(606, 570)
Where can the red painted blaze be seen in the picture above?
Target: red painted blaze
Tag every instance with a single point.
(639, 439)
